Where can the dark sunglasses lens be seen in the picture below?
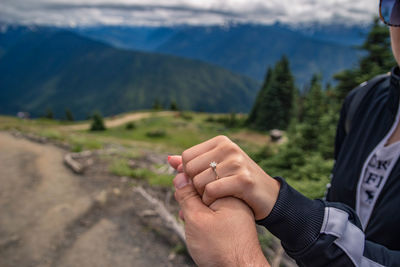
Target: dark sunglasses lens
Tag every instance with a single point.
(390, 11)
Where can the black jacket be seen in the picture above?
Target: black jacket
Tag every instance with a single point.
(329, 233)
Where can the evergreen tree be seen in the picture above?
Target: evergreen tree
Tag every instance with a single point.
(68, 115)
(255, 112)
(274, 104)
(49, 114)
(173, 106)
(157, 105)
(378, 59)
(314, 107)
(97, 123)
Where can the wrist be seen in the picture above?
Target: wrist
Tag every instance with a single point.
(251, 256)
(251, 260)
(265, 197)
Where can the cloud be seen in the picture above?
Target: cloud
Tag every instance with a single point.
(195, 12)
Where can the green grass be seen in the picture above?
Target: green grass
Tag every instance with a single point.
(178, 134)
(175, 133)
(120, 167)
(84, 142)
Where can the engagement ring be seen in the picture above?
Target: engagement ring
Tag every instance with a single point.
(213, 166)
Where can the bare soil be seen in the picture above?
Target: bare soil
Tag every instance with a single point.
(52, 217)
(120, 120)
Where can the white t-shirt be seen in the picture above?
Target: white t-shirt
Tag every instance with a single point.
(375, 172)
(374, 177)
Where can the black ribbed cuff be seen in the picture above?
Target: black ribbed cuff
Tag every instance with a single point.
(295, 219)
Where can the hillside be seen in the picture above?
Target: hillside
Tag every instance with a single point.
(246, 49)
(53, 69)
(250, 49)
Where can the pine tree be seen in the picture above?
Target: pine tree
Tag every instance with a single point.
(255, 112)
(285, 90)
(49, 114)
(68, 115)
(173, 106)
(274, 104)
(157, 105)
(97, 122)
(261, 95)
(313, 109)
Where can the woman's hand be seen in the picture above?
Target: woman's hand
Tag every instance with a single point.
(239, 175)
(223, 234)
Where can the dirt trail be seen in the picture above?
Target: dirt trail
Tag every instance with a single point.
(51, 217)
(121, 120)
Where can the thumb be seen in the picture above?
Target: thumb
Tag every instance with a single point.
(187, 196)
(175, 161)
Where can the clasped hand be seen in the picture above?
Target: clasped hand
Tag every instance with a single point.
(220, 228)
(239, 175)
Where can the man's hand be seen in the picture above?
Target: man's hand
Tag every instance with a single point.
(223, 234)
(239, 175)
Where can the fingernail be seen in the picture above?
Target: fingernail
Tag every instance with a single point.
(181, 181)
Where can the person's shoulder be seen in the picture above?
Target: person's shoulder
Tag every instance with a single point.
(377, 83)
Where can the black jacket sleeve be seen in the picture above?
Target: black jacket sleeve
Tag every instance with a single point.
(320, 233)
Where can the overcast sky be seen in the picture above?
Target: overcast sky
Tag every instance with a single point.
(168, 12)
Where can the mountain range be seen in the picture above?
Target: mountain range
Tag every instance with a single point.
(246, 48)
(42, 68)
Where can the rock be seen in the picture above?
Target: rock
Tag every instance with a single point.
(148, 213)
(9, 241)
(116, 191)
(102, 197)
(276, 135)
(171, 256)
(73, 164)
(89, 162)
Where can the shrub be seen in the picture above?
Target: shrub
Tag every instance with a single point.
(97, 123)
(130, 126)
(186, 116)
(156, 134)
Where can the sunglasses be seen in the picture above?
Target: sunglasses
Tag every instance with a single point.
(389, 12)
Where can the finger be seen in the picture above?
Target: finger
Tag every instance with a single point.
(202, 179)
(224, 169)
(181, 215)
(227, 186)
(175, 161)
(202, 148)
(188, 199)
(180, 168)
(202, 162)
(181, 180)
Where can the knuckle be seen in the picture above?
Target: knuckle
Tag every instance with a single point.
(197, 183)
(189, 169)
(185, 156)
(222, 139)
(235, 163)
(227, 148)
(245, 179)
(210, 190)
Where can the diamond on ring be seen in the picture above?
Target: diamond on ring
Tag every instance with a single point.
(213, 165)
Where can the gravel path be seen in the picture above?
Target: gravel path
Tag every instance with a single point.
(51, 217)
(120, 120)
